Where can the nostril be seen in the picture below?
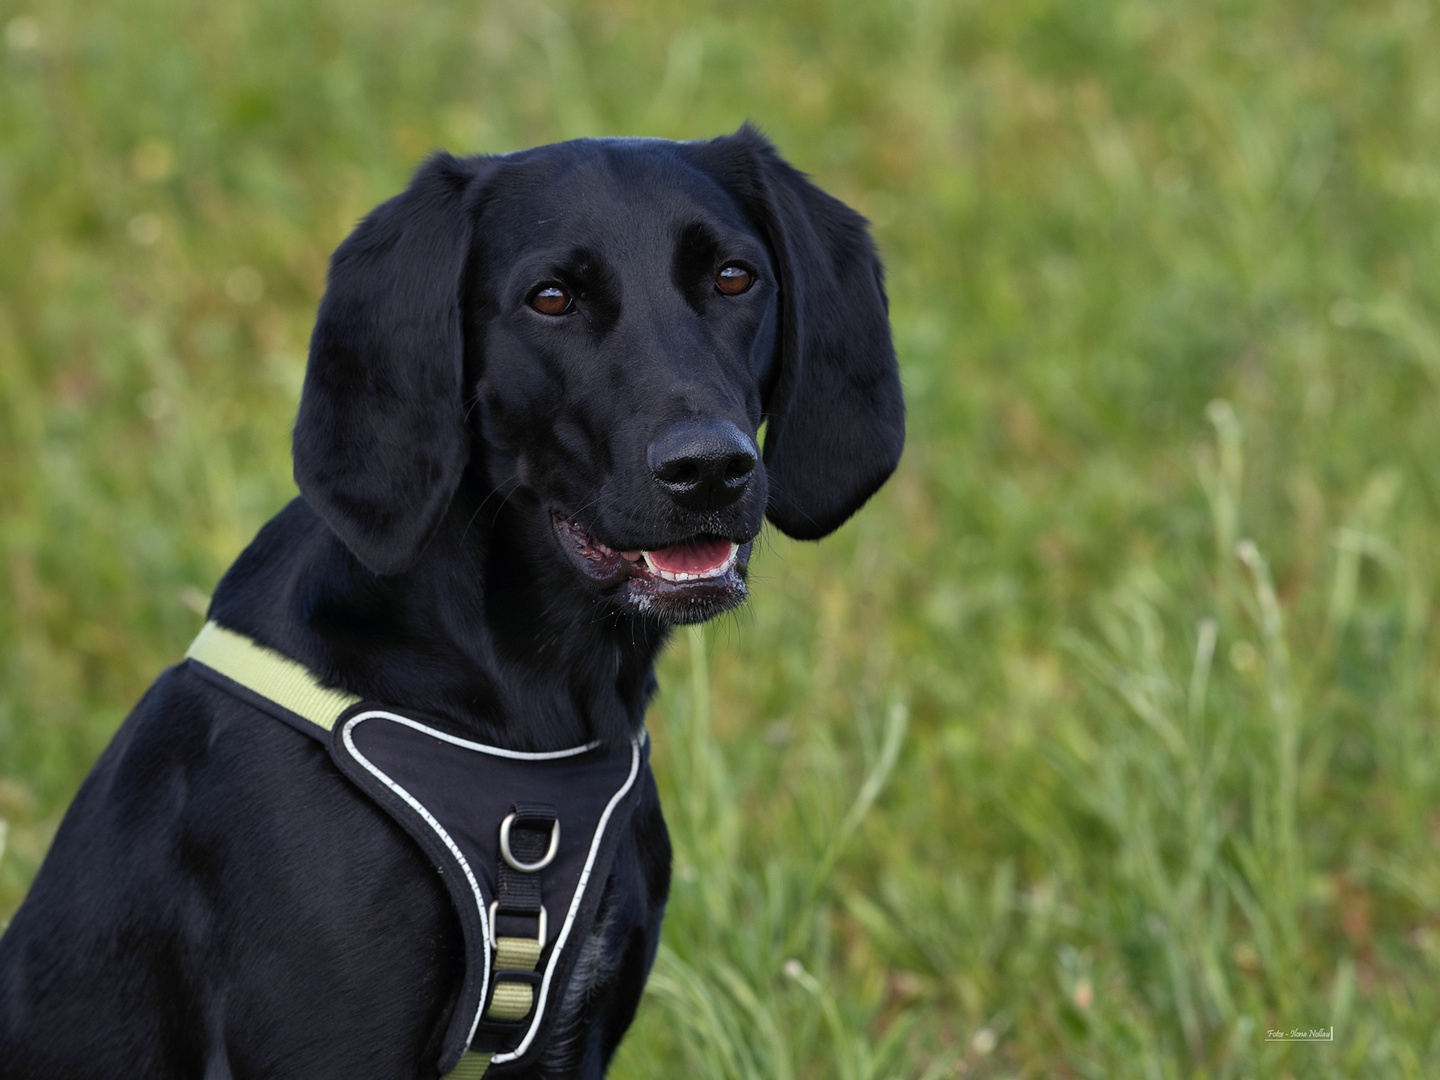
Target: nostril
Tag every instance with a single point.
(739, 467)
(683, 472)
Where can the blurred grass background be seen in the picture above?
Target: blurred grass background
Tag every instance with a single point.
(1103, 741)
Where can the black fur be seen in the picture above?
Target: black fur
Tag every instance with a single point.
(220, 902)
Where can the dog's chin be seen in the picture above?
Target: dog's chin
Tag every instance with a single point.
(688, 582)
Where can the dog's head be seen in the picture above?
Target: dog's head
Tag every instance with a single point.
(594, 332)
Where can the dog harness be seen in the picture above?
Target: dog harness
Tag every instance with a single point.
(518, 838)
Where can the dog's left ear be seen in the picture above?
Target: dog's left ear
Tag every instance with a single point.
(380, 441)
(835, 415)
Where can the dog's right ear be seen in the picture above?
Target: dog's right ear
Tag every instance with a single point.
(380, 441)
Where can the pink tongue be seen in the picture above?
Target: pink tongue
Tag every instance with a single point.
(692, 558)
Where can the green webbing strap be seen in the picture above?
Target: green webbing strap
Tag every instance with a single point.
(472, 1066)
(269, 674)
(512, 999)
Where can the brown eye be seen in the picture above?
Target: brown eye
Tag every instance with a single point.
(551, 300)
(733, 280)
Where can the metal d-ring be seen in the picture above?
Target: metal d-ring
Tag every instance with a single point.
(528, 868)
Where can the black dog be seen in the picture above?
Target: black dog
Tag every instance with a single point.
(526, 447)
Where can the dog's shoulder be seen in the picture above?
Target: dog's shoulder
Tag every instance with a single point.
(201, 804)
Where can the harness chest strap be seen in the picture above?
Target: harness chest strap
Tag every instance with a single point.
(449, 794)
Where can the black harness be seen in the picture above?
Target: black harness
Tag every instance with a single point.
(518, 838)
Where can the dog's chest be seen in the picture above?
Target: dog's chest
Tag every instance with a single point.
(523, 842)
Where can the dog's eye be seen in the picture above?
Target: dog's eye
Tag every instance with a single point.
(734, 280)
(551, 300)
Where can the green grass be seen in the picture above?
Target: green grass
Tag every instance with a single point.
(1104, 740)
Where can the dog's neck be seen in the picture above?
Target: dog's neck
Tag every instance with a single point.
(489, 630)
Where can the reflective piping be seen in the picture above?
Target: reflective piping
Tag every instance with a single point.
(493, 751)
(439, 831)
(574, 908)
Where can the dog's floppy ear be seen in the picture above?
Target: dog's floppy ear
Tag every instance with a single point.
(380, 442)
(836, 417)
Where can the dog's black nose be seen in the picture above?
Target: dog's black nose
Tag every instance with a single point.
(702, 465)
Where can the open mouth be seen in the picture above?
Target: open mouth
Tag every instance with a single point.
(686, 582)
(697, 560)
